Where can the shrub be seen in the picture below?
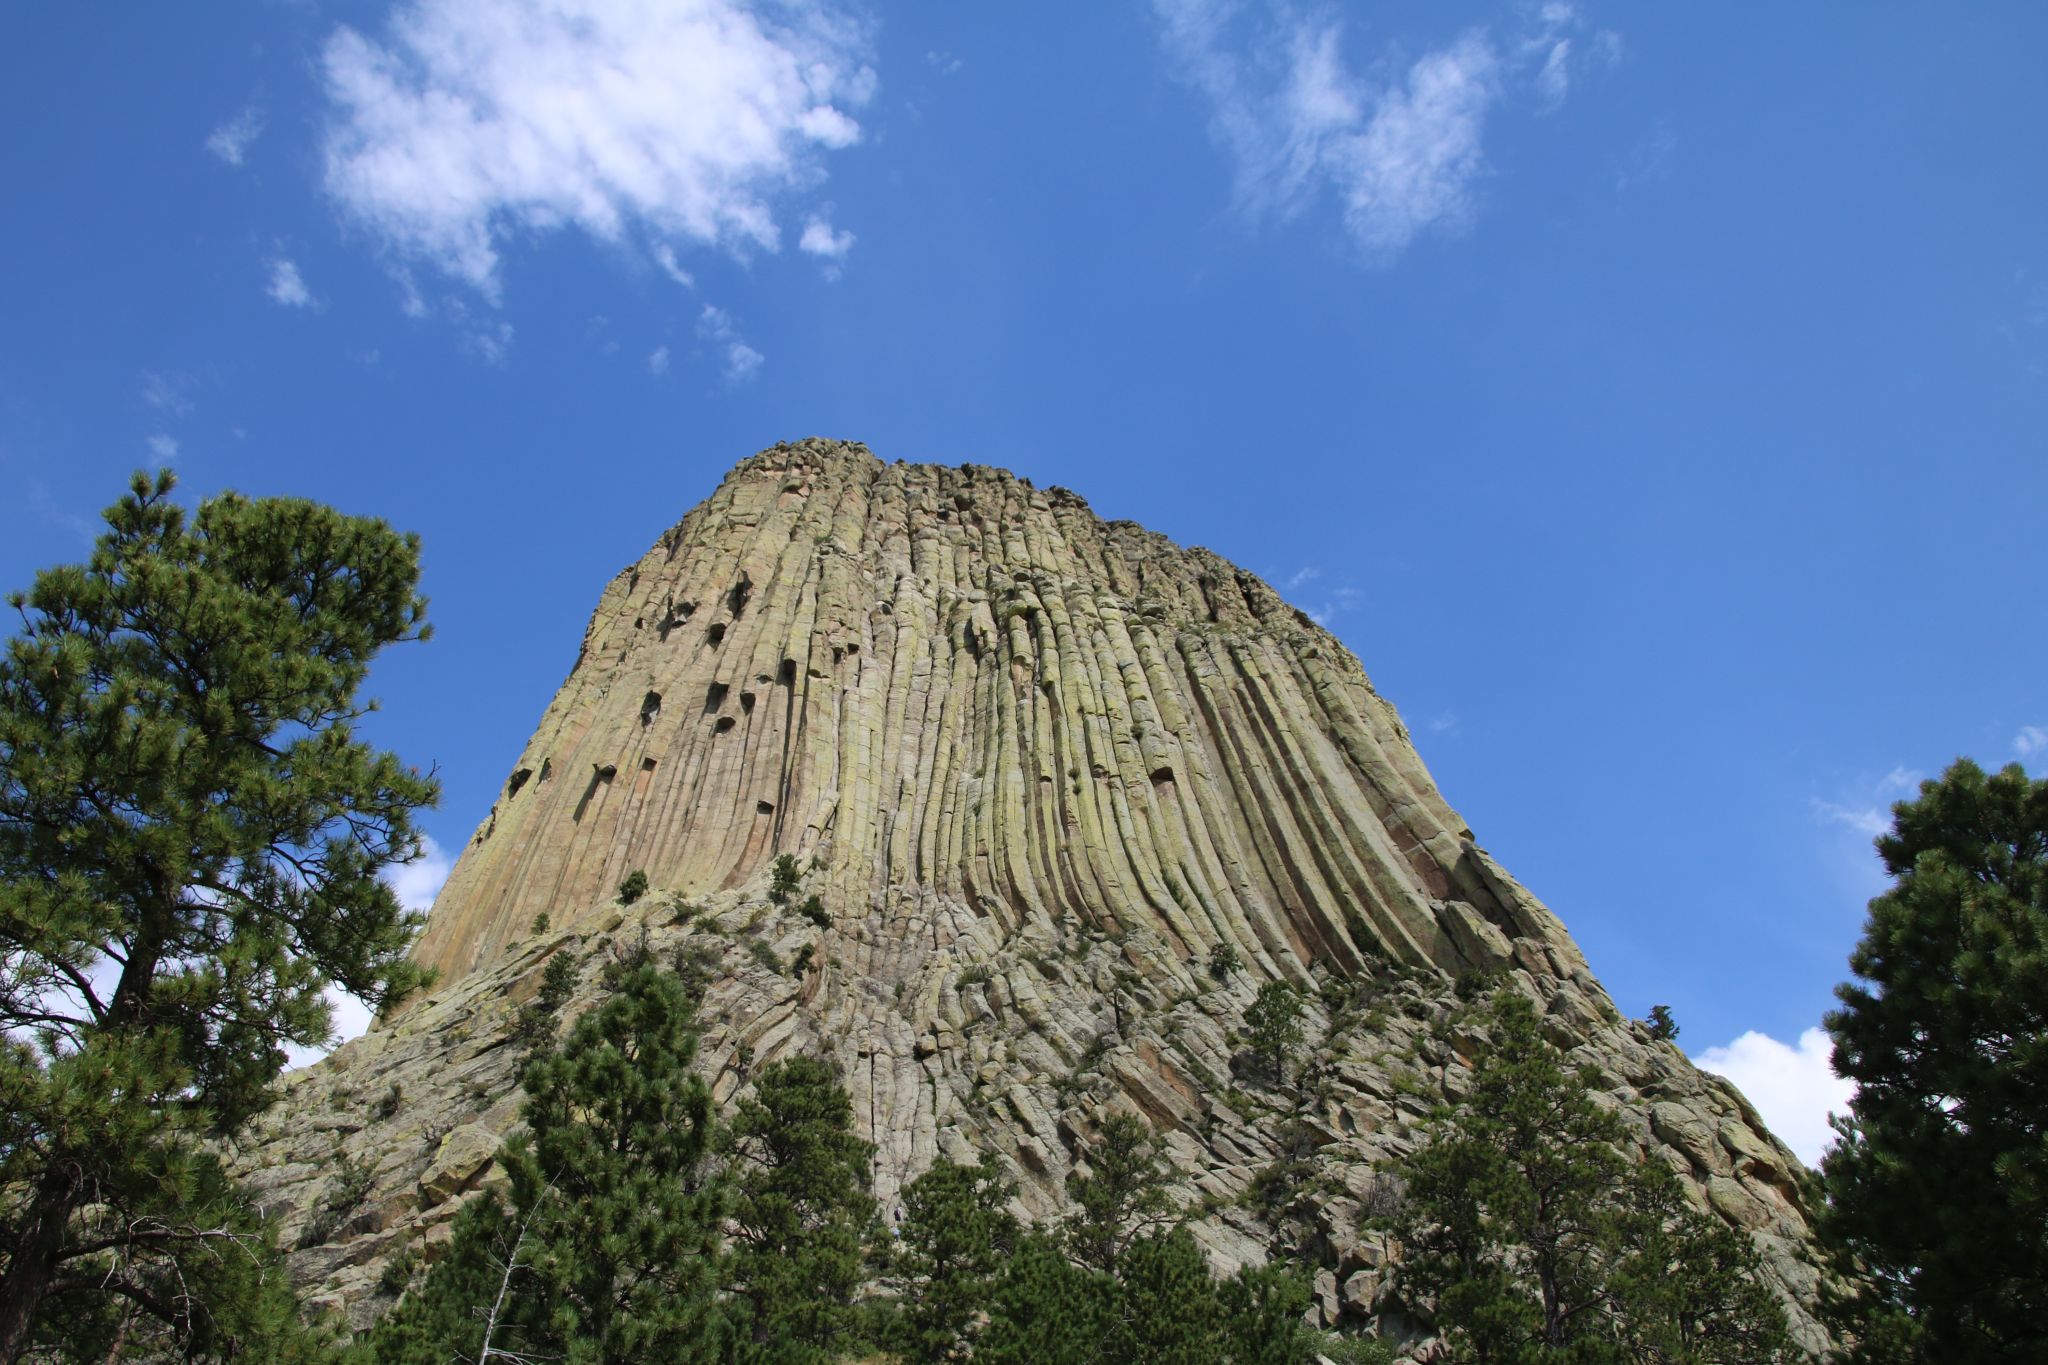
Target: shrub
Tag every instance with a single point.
(784, 879)
(1661, 1025)
(1223, 960)
(633, 888)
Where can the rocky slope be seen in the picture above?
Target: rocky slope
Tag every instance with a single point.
(1037, 769)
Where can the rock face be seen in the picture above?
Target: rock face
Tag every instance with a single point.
(1037, 769)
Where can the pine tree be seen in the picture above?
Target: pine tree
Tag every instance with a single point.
(802, 1216)
(190, 842)
(1938, 1191)
(1122, 1194)
(957, 1238)
(1535, 1239)
(607, 1250)
(1123, 1285)
(1273, 1025)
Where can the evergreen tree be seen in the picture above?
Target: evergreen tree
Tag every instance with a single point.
(190, 842)
(1046, 1310)
(1122, 1195)
(802, 1216)
(1273, 1024)
(957, 1238)
(1130, 1289)
(607, 1252)
(1938, 1190)
(1536, 1240)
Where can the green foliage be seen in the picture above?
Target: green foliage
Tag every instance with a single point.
(1938, 1190)
(1273, 1028)
(1355, 1350)
(606, 1250)
(1122, 1195)
(195, 1274)
(1474, 984)
(345, 1192)
(1224, 961)
(784, 878)
(1662, 1026)
(957, 1238)
(801, 1216)
(540, 924)
(764, 953)
(1114, 1284)
(813, 910)
(1284, 1192)
(1536, 1240)
(537, 1022)
(633, 888)
(977, 975)
(190, 842)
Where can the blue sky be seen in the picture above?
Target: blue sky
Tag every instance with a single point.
(1652, 397)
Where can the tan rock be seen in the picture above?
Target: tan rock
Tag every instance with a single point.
(458, 1161)
(1037, 768)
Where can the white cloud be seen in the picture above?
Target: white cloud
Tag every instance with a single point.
(286, 287)
(820, 240)
(665, 257)
(1301, 576)
(230, 142)
(2031, 741)
(1900, 779)
(164, 446)
(419, 881)
(1795, 1088)
(657, 363)
(493, 343)
(741, 360)
(1869, 821)
(472, 122)
(1401, 156)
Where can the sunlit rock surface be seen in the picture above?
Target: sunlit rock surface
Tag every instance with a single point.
(1037, 768)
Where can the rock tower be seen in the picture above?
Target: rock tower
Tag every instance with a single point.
(1037, 769)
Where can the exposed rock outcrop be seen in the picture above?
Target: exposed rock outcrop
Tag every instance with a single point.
(1037, 769)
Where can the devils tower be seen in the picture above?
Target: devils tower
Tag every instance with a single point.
(1038, 770)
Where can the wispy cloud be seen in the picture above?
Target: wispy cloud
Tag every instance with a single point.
(165, 393)
(1401, 156)
(492, 342)
(2031, 742)
(1869, 821)
(471, 122)
(163, 446)
(230, 142)
(1300, 577)
(741, 361)
(657, 362)
(1867, 809)
(1794, 1087)
(286, 285)
(665, 257)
